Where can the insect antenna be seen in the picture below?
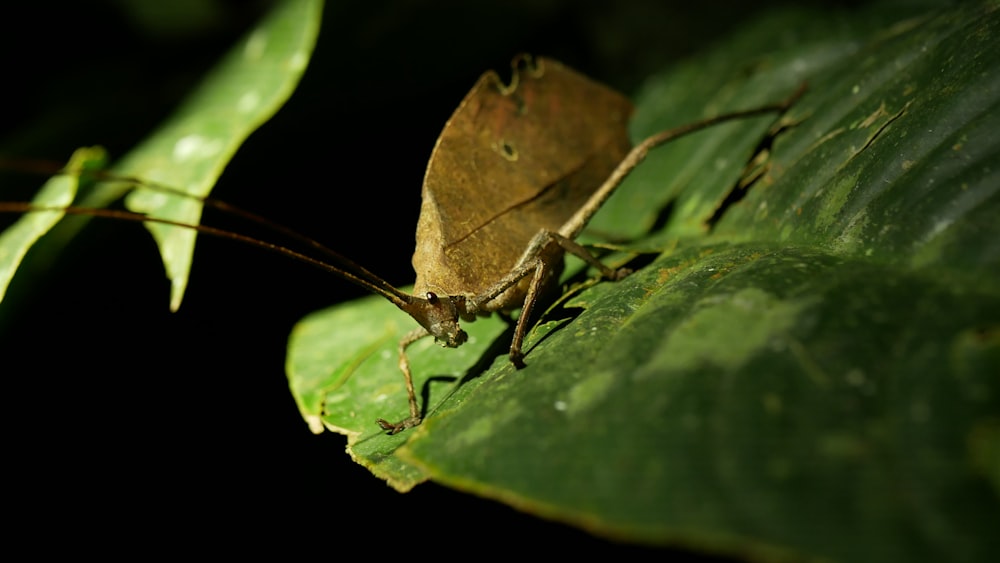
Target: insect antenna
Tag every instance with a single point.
(345, 268)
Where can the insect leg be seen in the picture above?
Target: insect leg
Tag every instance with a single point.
(411, 395)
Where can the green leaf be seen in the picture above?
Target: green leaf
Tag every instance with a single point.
(58, 192)
(344, 385)
(808, 371)
(190, 150)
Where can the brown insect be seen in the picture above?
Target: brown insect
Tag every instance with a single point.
(515, 176)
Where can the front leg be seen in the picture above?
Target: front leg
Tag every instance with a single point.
(411, 395)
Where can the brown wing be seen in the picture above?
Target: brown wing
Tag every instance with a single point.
(509, 162)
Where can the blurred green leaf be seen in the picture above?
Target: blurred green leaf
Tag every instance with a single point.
(58, 192)
(808, 371)
(191, 149)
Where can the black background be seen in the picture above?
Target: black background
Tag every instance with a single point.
(121, 415)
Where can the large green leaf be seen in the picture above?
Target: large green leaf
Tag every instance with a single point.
(810, 369)
(190, 150)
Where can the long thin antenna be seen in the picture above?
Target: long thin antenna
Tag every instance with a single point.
(366, 279)
(350, 270)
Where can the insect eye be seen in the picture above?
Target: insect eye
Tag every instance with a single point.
(432, 298)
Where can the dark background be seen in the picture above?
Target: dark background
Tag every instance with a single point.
(121, 414)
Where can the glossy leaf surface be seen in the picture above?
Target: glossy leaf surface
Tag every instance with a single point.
(808, 369)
